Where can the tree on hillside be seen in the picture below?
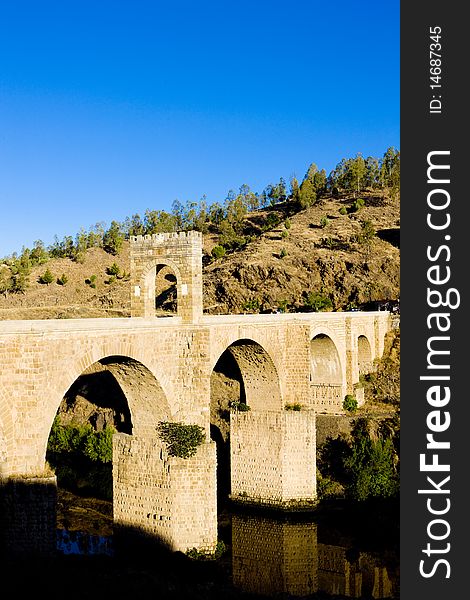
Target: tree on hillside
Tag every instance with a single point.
(317, 178)
(113, 238)
(390, 170)
(313, 184)
(350, 174)
(358, 173)
(133, 225)
(159, 221)
(46, 278)
(216, 214)
(6, 282)
(96, 234)
(39, 254)
(294, 190)
(308, 195)
(250, 199)
(81, 244)
(372, 172)
(236, 211)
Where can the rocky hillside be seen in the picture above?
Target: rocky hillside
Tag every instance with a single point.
(334, 255)
(323, 255)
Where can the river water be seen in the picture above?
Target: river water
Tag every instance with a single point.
(295, 556)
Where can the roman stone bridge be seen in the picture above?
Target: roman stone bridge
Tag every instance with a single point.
(163, 367)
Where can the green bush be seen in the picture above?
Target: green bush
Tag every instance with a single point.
(367, 232)
(46, 278)
(287, 224)
(81, 440)
(62, 280)
(181, 440)
(113, 270)
(316, 302)
(272, 220)
(324, 222)
(91, 281)
(357, 205)
(350, 403)
(343, 210)
(363, 467)
(218, 252)
(82, 458)
(296, 406)
(370, 466)
(283, 253)
(328, 488)
(196, 554)
(239, 406)
(252, 305)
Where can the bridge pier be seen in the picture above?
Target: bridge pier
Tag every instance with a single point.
(163, 500)
(273, 458)
(28, 516)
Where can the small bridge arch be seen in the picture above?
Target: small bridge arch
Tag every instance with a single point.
(364, 355)
(327, 371)
(147, 287)
(261, 388)
(325, 361)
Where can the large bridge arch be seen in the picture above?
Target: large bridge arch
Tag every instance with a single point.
(147, 398)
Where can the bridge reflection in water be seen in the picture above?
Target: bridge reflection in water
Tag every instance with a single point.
(271, 556)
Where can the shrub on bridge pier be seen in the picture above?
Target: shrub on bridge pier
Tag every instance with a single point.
(181, 440)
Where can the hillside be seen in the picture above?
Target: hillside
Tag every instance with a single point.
(317, 251)
(279, 271)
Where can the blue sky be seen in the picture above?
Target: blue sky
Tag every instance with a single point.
(110, 107)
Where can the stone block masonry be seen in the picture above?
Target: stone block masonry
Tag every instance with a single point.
(182, 253)
(28, 516)
(168, 499)
(273, 458)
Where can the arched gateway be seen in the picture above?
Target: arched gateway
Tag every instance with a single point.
(164, 369)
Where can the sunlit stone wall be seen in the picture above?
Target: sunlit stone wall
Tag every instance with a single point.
(273, 457)
(156, 496)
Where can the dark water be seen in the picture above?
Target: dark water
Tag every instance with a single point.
(303, 557)
(344, 555)
(83, 544)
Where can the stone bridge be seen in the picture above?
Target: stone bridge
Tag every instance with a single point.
(164, 367)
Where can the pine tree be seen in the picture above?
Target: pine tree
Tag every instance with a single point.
(47, 277)
(113, 239)
(294, 190)
(308, 194)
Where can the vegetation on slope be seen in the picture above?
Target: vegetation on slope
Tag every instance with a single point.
(326, 243)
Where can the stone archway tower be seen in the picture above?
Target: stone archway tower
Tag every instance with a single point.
(182, 252)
